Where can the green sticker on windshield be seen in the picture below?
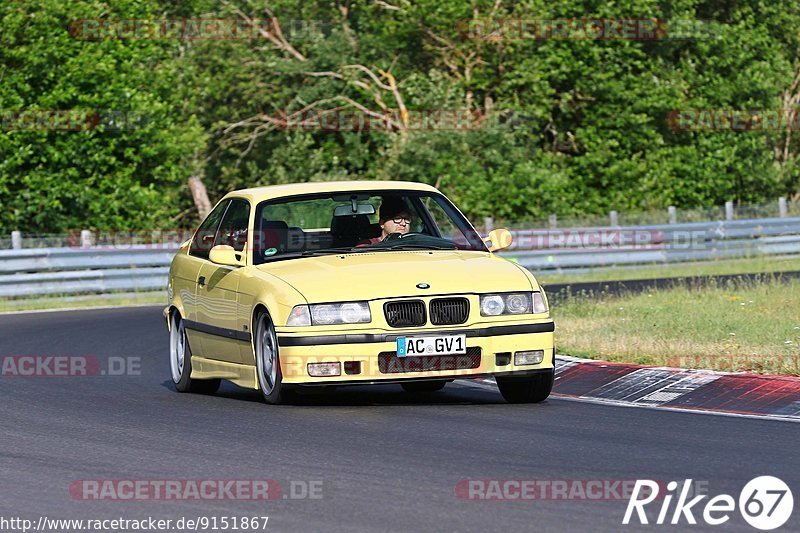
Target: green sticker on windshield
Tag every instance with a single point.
(270, 251)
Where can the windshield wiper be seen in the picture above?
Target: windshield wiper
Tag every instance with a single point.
(313, 253)
(415, 247)
(353, 250)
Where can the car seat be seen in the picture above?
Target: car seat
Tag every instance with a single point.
(348, 230)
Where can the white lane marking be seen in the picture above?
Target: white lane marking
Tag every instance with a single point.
(692, 410)
(99, 307)
(653, 385)
(686, 383)
(677, 383)
(569, 360)
(793, 409)
(660, 397)
(477, 383)
(563, 365)
(490, 384)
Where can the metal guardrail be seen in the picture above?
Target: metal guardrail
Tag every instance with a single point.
(562, 291)
(84, 270)
(67, 271)
(577, 249)
(60, 259)
(84, 281)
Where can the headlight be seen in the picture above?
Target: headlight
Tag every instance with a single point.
(327, 314)
(355, 313)
(492, 305)
(518, 303)
(512, 303)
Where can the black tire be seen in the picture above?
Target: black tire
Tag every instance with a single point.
(423, 386)
(532, 389)
(181, 367)
(268, 363)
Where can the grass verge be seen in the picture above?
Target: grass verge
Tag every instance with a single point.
(737, 327)
(703, 268)
(84, 301)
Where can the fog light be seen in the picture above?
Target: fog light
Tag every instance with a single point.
(320, 370)
(352, 367)
(533, 357)
(502, 359)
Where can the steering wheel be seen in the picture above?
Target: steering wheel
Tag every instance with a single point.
(396, 235)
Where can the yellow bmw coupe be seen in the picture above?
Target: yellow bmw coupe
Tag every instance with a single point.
(345, 283)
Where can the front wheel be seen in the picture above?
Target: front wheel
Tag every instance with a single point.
(533, 389)
(180, 361)
(268, 363)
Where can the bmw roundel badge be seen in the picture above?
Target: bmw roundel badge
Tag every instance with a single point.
(423, 286)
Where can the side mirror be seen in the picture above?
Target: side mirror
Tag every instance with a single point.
(498, 239)
(222, 254)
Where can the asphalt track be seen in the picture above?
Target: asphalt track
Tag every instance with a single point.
(388, 461)
(559, 291)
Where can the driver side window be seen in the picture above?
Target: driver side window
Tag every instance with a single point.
(203, 239)
(233, 230)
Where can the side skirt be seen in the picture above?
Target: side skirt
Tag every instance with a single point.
(242, 375)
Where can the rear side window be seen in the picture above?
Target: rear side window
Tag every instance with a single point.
(204, 237)
(233, 230)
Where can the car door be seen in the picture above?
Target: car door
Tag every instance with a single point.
(201, 244)
(217, 287)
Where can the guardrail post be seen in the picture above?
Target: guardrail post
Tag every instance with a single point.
(16, 240)
(488, 224)
(673, 214)
(782, 209)
(729, 210)
(86, 238)
(614, 218)
(553, 220)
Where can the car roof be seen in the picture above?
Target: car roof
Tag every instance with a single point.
(257, 194)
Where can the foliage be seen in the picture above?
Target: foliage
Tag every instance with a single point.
(563, 126)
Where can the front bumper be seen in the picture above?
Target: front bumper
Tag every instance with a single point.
(490, 352)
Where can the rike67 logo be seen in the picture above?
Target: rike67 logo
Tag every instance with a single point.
(765, 503)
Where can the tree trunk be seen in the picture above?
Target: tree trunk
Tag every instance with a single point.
(200, 196)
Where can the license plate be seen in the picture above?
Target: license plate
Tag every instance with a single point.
(420, 346)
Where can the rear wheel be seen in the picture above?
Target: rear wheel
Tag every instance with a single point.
(180, 361)
(268, 363)
(533, 389)
(423, 386)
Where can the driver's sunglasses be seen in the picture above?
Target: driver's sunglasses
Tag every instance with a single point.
(399, 220)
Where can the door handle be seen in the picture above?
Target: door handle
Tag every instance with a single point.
(201, 281)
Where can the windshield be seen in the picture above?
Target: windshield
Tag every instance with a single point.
(357, 222)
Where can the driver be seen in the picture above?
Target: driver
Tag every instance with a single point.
(394, 218)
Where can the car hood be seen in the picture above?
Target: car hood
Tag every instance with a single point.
(369, 276)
